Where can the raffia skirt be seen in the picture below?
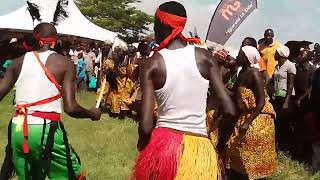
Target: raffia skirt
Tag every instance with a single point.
(172, 155)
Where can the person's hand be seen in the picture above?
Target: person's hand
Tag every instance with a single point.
(95, 114)
(244, 128)
(221, 55)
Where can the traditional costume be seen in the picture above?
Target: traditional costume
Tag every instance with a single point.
(37, 142)
(119, 93)
(253, 154)
(179, 147)
(120, 99)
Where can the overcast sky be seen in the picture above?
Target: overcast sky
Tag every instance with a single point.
(291, 19)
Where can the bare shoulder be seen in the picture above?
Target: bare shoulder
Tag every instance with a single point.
(203, 53)
(61, 61)
(152, 63)
(205, 57)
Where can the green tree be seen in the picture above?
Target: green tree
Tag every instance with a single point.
(117, 15)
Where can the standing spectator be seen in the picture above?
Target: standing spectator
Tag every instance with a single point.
(89, 58)
(313, 120)
(73, 53)
(302, 86)
(267, 48)
(283, 79)
(303, 79)
(81, 72)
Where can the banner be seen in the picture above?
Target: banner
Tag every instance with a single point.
(227, 18)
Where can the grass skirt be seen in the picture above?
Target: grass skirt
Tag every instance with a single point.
(172, 155)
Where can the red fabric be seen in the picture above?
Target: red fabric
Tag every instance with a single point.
(81, 176)
(22, 109)
(177, 23)
(47, 72)
(45, 40)
(52, 116)
(158, 160)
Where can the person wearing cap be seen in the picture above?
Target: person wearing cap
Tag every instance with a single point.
(251, 152)
(283, 79)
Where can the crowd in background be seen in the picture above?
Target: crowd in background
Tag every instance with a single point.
(290, 74)
(291, 80)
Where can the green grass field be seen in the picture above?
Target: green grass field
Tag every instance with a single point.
(107, 148)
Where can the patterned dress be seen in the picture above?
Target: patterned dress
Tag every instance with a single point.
(119, 100)
(253, 154)
(211, 126)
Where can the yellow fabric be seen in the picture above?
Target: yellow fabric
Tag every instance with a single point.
(198, 159)
(211, 126)
(122, 99)
(267, 55)
(254, 153)
(125, 96)
(108, 65)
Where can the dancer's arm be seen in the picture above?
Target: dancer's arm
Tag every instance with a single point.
(259, 94)
(147, 69)
(10, 77)
(71, 107)
(210, 70)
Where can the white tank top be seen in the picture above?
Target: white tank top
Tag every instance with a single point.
(182, 100)
(33, 85)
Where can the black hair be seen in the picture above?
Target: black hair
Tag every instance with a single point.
(267, 30)
(252, 42)
(111, 77)
(173, 7)
(46, 30)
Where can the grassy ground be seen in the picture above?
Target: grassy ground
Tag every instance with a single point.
(108, 147)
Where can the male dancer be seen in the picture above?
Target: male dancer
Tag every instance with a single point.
(37, 142)
(178, 76)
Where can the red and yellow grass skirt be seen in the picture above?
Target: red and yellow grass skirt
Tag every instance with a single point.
(173, 155)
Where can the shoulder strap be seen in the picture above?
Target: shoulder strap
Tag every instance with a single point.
(48, 73)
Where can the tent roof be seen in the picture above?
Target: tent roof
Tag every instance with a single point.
(76, 24)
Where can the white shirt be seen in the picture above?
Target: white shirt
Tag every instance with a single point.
(281, 75)
(182, 100)
(33, 85)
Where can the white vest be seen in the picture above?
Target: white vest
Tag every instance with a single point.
(182, 100)
(33, 85)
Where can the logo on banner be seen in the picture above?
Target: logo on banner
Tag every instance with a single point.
(230, 8)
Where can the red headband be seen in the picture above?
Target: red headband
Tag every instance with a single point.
(177, 23)
(45, 40)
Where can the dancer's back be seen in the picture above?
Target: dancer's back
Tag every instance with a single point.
(182, 99)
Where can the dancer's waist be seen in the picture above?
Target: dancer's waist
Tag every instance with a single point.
(185, 132)
(37, 117)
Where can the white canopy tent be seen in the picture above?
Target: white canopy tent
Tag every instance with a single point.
(76, 24)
